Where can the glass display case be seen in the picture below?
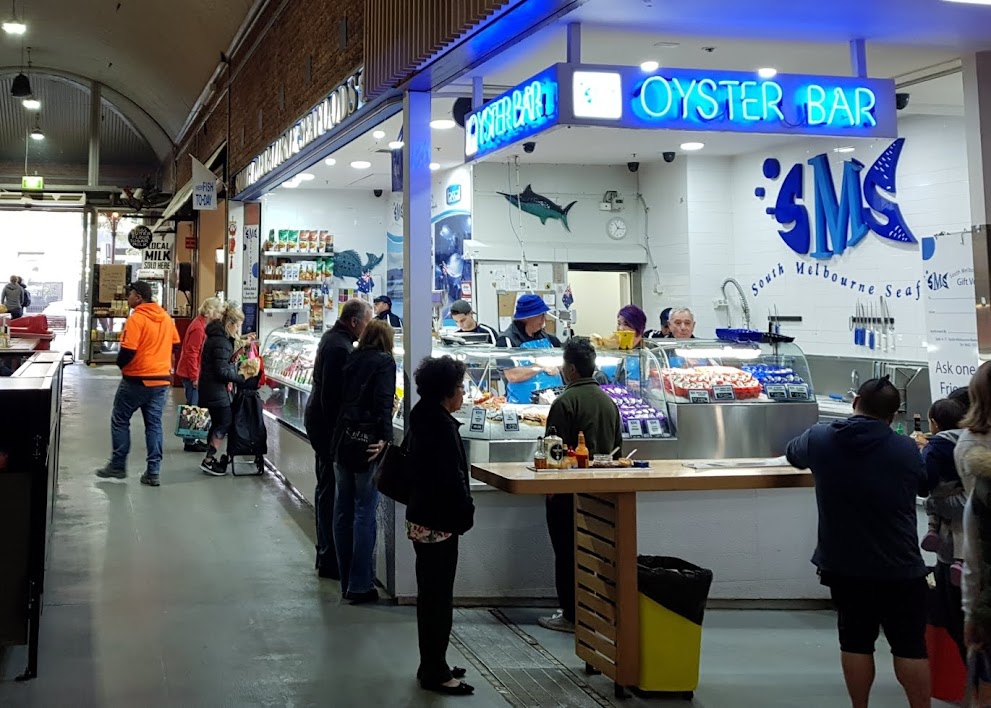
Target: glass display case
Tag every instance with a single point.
(731, 400)
(289, 357)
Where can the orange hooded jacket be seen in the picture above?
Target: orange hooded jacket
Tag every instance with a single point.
(151, 334)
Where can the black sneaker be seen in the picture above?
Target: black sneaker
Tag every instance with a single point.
(362, 598)
(214, 467)
(108, 472)
(150, 480)
(196, 446)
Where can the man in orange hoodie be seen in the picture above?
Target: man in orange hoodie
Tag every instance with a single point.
(145, 360)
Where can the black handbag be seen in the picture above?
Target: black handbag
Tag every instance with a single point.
(392, 474)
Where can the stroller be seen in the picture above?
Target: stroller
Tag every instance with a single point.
(248, 436)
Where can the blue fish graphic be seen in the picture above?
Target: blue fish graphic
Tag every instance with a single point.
(882, 174)
(540, 206)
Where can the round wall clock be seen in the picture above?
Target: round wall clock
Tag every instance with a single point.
(616, 229)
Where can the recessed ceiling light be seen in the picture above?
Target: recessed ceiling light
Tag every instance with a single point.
(15, 27)
(396, 145)
(434, 166)
(442, 124)
(304, 177)
(691, 147)
(971, 2)
(361, 164)
(330, 162)
(767, 72)
(291, 184)
(32, 104)
(667, 45)
(378, 134)
(649, 66)
(847, 148)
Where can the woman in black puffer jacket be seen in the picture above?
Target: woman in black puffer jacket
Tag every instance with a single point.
(217, 372)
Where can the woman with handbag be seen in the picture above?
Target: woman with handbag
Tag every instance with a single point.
(440, 509)
(363, 430)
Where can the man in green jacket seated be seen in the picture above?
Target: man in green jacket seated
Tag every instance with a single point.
(582, 408)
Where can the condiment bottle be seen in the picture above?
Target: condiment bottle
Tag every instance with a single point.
(917, 423)
(540, 456)
(581, 452)
(554, 449)
(571, 460)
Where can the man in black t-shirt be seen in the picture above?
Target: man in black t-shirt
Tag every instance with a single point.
(464, 316)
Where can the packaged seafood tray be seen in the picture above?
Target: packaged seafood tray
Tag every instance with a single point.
(653, 422)
(680, 382)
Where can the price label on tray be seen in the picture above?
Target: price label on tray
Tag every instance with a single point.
(776, 392)
(723, 393)
(636, 429)
(698, 396)
(654, 428)
(477, 420)
(798, 392)
(510, 420)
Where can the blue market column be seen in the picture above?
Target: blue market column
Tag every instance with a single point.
(417, 239)
(977, 115)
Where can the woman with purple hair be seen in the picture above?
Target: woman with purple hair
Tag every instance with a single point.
(632, 319)
(629, 319)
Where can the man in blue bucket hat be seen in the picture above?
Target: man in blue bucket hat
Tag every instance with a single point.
(529, 374)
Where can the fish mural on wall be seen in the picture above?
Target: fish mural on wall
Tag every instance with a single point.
(348, 264)
(539, 206)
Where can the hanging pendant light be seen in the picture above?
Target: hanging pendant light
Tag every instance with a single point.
(31, 102)
(21, 88)
(36, 134)
(12, 25)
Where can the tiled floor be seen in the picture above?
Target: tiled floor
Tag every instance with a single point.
(201, 593)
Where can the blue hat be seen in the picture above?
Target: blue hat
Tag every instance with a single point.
(665, 316)
(530, 306)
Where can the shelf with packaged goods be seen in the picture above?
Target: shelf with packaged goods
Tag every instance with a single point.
(277, 283)
(293, 254)
(270, 310)
(288, 382)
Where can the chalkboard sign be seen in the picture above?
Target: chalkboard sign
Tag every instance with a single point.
(139, 237)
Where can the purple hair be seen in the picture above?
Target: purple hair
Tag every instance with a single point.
(634, 317)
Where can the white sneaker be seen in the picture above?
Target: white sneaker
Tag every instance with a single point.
(557, 623)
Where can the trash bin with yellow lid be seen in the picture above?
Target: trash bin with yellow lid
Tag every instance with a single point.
(673, 594)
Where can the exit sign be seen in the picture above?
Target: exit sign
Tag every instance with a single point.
(32, 182)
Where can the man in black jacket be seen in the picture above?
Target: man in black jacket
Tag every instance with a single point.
(322, 411)
(866, 479)
(383, 311)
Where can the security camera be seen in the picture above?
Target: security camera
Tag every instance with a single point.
(669, 156)
(901, 100)
(633, 166)
(377, 192)
(529, 147)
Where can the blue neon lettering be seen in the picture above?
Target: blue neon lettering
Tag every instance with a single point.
(749, 87)
(816, 98)
(841, 106)
(525, 110)
(707, 97)
(685, 94)
(865, 100)
(665, 89)
(730, 99)
(772, 103)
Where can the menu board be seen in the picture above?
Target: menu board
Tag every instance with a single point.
(111, 277)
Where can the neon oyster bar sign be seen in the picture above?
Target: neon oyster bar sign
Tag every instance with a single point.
(517, 114)
(683, 99)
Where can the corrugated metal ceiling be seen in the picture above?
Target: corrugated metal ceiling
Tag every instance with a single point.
(64, 118)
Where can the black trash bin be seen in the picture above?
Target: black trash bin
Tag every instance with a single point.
(673, 594)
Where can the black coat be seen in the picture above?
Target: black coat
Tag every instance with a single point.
(216, 368)
(324, 404)
(441, 496)
(372, 404)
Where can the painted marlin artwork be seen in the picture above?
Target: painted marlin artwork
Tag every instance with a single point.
(540, 206)
(348, 264)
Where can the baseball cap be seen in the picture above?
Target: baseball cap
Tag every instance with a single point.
(665, 316)
(385, 299)
(461, 307)
(143, 289)
(530, 305)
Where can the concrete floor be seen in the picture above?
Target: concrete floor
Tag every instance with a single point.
(201, 593)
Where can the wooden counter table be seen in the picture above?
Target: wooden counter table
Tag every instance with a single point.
(607, 617)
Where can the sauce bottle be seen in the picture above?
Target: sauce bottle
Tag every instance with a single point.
(540, 456)
(581, 452)
(571, 461)
(554, 450)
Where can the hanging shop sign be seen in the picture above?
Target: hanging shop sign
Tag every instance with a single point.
(342, 103)
(139, 237)
(519, 113)
(158, 255)
(204, 187)
(683, 99)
